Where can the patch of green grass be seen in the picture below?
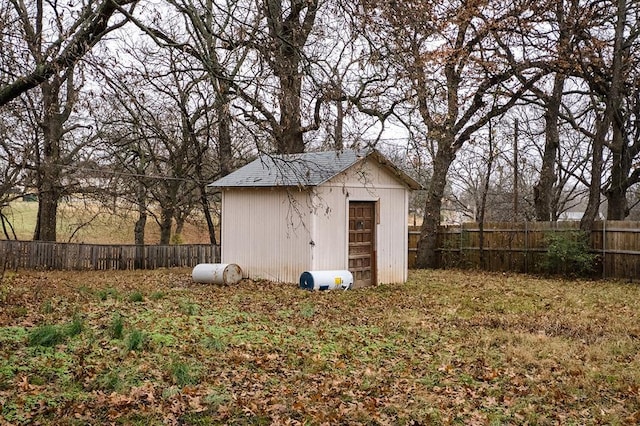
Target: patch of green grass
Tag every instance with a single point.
(75, 327)
(137, 340)
(47, 307)
(189, 308)
(110, 381)
(136, 297)
(204, 418)
(17, 311)
(160, 339)
(183, 374)
(46, 335)
(307, 310)
(157, 295)
(116, 327)
(215, 343)
(107, 293)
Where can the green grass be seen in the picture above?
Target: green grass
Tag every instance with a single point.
(116, 328)
(137, 340)
(46, 335)
(136, 296)
(448, 347)
(183, 374)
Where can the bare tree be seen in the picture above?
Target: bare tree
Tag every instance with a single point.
(608, 53)
(289, 25)
(73, 40)
(451, 60)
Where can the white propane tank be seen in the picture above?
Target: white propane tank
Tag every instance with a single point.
(217, 273)
(326, 280)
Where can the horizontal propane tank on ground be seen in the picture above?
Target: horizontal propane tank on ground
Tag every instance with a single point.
(217, 273)
(326, 280)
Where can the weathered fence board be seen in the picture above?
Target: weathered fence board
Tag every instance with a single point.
(521, 247)
(69, 256)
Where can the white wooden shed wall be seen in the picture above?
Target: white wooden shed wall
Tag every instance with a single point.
(367, 181)
(265, 231)
(269, 231)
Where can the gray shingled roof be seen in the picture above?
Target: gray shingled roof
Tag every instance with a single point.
(307, 169)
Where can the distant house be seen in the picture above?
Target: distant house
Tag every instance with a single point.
(572, 216)
(284, 215)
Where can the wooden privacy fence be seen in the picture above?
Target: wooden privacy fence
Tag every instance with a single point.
(521, 247)
(518, 247)
(69, 256)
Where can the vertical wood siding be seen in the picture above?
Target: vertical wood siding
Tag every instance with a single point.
(363, 182)
(267, 232)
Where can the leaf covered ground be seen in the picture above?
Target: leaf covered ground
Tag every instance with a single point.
(448, 347)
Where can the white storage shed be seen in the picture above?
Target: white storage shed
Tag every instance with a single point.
(286, 214)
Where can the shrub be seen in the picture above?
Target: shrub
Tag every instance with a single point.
(568, 253)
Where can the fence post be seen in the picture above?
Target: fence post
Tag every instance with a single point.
(526, 247)
(461, 259)
(604, 248)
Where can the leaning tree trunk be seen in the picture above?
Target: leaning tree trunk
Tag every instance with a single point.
(427, 244)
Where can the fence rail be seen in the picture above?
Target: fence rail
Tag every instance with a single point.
(521, 247)
(70, 256)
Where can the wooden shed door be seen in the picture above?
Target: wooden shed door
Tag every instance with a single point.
(362, 223)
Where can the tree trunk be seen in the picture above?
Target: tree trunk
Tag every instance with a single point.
(206, 209)
(225, 154)
(617, 206)
(47, 218)
(290, 140)
(613, 102)
(543, 190)
(483, 198)
(289, 28)
(177, 236)
(427, 245)
(49, 189)
(593, 203)
(166, 220)
(139, 227)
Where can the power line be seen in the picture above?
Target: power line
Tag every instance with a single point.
(131, 174)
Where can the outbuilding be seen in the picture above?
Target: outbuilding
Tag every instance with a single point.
(283, 215)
